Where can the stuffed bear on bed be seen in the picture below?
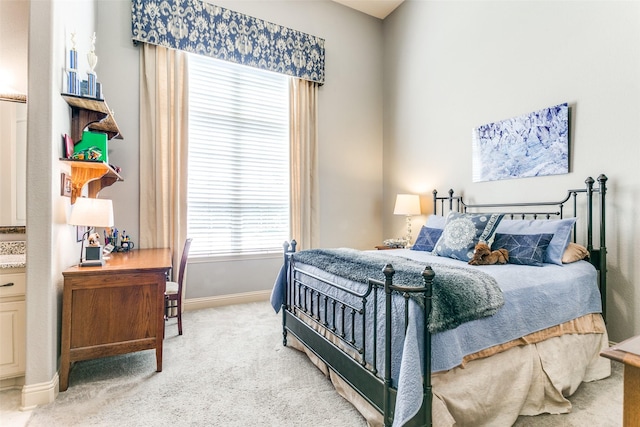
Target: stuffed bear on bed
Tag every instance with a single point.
(483, 255)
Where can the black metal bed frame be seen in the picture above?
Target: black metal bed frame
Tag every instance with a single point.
(306, 311)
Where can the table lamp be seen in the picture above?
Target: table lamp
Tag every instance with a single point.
(409, 205)
(88, 212)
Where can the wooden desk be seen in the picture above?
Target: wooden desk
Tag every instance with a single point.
(628, 352)
(114, 309)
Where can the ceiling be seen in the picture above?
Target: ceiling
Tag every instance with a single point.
(378, 8)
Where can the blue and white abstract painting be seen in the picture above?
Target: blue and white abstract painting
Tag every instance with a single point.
(535, 144)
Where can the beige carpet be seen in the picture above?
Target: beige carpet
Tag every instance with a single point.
(230, 369)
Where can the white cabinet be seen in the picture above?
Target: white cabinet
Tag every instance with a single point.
(12, 323)
(13, 163)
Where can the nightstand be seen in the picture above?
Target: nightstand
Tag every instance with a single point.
(628, 352)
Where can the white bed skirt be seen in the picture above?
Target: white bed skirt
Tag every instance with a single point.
(525, 380)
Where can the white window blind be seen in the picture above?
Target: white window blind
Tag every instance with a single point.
(238, 197)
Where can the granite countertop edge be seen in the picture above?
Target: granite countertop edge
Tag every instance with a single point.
(13, 254)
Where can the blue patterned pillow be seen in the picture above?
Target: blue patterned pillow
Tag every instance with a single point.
(524, 249)
(463, 231)
(427, 239)
(560, 228)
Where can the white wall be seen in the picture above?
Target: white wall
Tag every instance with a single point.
(451, 66)
(13, 46)
(350, 132)
(51, 243)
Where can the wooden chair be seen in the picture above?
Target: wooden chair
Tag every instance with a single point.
(173, 292)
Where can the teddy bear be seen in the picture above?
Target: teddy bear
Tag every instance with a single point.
(483, 255)
(94, 239)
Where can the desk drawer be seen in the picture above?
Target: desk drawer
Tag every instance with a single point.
(17, 288)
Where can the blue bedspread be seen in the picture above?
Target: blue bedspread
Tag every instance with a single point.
(535, 298)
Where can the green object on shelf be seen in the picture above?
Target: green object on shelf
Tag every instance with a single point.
(95, 143)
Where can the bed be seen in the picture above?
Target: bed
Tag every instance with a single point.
(536, 324)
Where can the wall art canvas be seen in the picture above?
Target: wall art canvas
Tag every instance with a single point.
(534, 144)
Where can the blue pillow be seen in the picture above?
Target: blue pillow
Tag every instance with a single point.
(524, 249)
(427, 239)
(560, 228)
(463, 231)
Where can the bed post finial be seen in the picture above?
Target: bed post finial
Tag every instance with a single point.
(451, 199)
(435, 202)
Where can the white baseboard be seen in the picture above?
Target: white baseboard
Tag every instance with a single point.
(222, 300)
(39, 394)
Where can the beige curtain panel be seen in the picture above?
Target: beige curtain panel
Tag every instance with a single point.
(163, 148)
(305, 192)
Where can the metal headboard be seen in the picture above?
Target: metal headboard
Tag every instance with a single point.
(549, 210)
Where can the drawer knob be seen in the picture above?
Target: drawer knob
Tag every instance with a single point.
(7, 284)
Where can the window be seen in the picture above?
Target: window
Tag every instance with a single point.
(238, 188)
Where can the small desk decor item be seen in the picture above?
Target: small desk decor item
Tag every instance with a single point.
(127, 245)
(91, 213)
(120, 241)
(534, 144)
(93, 252)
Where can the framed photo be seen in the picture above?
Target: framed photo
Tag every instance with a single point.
(534, 144)
(65, 185)
(80, 230)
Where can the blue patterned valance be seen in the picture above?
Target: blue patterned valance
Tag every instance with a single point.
(203, 28)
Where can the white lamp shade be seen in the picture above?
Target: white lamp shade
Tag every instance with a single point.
(407, 204)
(90, 212)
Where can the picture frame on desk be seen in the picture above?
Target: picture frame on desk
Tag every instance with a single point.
(80, 230)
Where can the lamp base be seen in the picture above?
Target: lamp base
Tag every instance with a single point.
(408, 236)
(92, 263)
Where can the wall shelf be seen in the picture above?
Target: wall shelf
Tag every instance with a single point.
(97, 174)
(92, 113)
(95, 115)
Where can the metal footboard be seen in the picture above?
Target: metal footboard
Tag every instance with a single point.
(334, 325)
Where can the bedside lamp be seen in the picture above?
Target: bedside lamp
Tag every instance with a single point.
(407, 204)
(88, 212)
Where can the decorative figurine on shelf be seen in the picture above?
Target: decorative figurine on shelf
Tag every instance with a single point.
(73, 53)
(92, 59)
(94, 239)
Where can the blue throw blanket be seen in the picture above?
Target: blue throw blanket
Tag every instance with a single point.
(459, 294)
